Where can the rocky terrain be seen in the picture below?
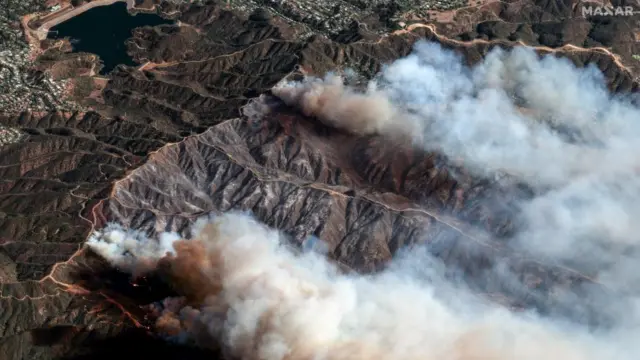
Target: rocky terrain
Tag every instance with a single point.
(186, 114)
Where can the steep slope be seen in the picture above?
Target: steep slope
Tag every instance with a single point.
(178, 120)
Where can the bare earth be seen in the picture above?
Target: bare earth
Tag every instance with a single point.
(168, 141)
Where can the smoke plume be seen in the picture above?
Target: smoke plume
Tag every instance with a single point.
(553, 126)
(542, 119)
(244, 287)
(343, 108)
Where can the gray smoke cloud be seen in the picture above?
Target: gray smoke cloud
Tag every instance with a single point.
(503, 115)
(553, 126)
(244, 287)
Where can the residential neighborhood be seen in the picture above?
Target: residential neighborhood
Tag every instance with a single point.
(21, 87)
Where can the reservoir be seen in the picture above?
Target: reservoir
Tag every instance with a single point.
(103, 31)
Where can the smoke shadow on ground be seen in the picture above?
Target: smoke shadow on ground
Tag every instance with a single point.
(52, 335)
(130, 344)
(102, 277)
(132, 294)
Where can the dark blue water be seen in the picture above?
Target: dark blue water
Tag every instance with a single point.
(103, 31)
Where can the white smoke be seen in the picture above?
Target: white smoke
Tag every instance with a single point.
(555, 127)
(477, 114)
(265, 302)
(132, 250)
(586, 212)
(505, 114)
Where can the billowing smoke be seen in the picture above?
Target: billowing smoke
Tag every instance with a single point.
(131, 251)
(245, 288)
(542, 119)
(344, 108)
(553, 126)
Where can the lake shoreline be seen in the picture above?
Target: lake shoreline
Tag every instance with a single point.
(108, 39)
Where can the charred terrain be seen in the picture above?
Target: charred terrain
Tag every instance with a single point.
(195, 129)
